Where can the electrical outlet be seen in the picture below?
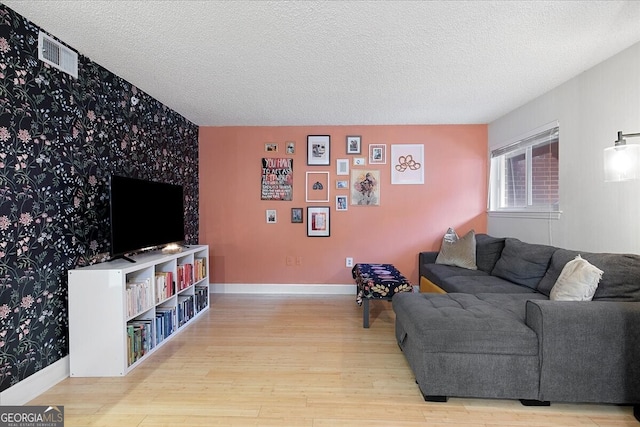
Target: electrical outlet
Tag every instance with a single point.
(289, 260)
(299, 260)
(349, 262)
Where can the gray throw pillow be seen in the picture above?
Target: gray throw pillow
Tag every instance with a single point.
(461, 253)
(523, 263)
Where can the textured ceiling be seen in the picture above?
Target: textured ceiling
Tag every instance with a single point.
(226, 63)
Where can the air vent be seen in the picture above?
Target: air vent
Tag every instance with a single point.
(58, 55)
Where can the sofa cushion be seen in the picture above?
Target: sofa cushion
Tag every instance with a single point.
(482, 284)
(619, 280)
(577, 281)
(460, 252)
(488, 251)
(462, 323)
(439, 272)
(523, 263)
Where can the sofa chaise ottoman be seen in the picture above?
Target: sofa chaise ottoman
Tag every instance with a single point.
(493, 332)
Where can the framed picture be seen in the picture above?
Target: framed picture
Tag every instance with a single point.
(296, 215)
(354, 143)
(318, 221)
(271, 147)
(291, 147)
(318, 150)
(317, 187)
(359, 161)
(272, 216)
(342, 167)
(377, 154)
(342, 203)
(407, 164)
(365, 187)
(342, 184)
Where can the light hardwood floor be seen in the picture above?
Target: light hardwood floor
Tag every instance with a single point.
(291, 361)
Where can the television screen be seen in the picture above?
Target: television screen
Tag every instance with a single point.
(144, 214)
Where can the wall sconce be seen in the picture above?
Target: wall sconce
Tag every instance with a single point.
(622, 161)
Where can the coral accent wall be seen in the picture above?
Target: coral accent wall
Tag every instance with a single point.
(410, 218)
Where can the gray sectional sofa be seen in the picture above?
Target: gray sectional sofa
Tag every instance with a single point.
(493, 332)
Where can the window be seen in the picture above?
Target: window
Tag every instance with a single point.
(524, 174)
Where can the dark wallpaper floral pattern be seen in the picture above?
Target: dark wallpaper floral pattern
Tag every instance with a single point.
(60, 139)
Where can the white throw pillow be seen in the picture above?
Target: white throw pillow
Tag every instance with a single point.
(578, 281)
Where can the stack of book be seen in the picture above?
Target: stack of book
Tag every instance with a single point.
(185, 276)
(202, 297)
(166, 322)
(139, 297)
(200, 269)
(185, 309)
(140, 339)
(164, 285)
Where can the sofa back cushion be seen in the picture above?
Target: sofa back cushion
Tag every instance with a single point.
(523, 263)
(620, 278)
(488, 251)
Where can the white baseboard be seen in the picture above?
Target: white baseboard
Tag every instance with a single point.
(31, 387)
(293, 289)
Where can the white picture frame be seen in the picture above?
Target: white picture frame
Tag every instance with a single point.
(378, 154)
(342, 167)
(342, 202)
(317, 187)
(271, 216)
(407, 164)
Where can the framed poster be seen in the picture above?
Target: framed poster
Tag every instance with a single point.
(317, 187)
(354, 144)
(377, 154)
(365, 187)
(318, 221)
(318, 150)
(407, 164)
(277, 179)
(342, 184)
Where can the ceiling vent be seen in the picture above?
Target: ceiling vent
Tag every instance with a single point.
(58, 55)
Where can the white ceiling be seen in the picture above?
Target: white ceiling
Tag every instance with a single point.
(275, 63)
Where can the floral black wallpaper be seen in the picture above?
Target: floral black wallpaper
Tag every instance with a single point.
(60, 139)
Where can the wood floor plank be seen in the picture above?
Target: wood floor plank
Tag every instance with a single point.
(264, 360)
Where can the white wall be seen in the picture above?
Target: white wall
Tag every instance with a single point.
(591, 108)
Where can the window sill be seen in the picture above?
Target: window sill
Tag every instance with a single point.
(526, 214)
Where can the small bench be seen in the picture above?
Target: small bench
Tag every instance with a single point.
(377, 281)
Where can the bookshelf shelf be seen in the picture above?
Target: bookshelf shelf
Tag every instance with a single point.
(121, 312)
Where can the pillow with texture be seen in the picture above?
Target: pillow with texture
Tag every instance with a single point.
(578, 281)
(459, 253)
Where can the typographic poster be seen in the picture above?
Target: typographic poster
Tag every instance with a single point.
(277, 179)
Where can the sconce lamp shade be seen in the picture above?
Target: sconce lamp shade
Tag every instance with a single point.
(622, 163)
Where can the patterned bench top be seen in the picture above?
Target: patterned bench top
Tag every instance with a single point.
(379, 281)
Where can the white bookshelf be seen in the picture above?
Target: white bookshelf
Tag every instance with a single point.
(99, 315)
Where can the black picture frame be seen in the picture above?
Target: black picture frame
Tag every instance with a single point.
(318, 221)
(354, 144)
(318, 150)
(296, 215)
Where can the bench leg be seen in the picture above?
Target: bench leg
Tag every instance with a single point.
(365, 313)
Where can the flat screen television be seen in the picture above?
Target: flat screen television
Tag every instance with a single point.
(144, 214)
